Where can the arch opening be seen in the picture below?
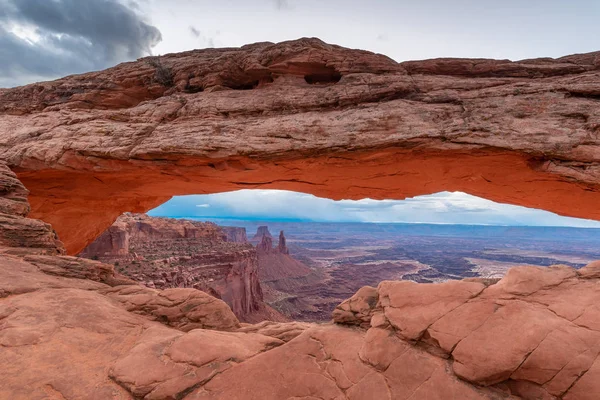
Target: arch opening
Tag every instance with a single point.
(100, 189)
(281, 255)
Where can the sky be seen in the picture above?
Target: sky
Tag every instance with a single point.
(47, 39)
(282, 205)
(42, 40)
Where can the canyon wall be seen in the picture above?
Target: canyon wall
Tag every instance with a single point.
(235, 234)
(168, 253)
(306, 116)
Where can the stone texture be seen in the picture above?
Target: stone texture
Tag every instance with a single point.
(235, 234)
(533, 334)
(74, 329)
(285, 331)
(22, 234)
(129, 341)
(166, 253)
(184, 309)
(307, 116)
(358, 309)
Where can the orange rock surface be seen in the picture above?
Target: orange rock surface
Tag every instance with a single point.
(307, 116)
(533, 334)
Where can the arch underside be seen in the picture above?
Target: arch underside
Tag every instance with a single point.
(82, 204)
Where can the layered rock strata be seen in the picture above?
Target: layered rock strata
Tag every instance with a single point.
(307, 116)
(166, 253)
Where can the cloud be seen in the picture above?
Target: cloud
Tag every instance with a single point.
(282, 4)
(49, 39)
(195, 31)
(208, 40)
(439, 208)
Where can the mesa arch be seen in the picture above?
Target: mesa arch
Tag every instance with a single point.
(306, 116)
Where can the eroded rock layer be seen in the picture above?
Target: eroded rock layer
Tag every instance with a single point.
(168, 253)
(307, 116)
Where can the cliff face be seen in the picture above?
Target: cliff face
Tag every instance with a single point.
(306, 116)
(17, 232)
(235, 234)
(262, 231)
(275, 263)
(166, 253)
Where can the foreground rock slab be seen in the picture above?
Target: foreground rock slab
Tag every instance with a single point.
(533, 334)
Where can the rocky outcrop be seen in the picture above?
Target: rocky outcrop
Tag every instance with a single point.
(167, 253)
(17, 232)
(261, 232)
(130, 231)
(306, 116)
(235, 234)
(275, 263)
(281, 246)
(282, 277)
(532, 334)
(265, 246)
(92, 146)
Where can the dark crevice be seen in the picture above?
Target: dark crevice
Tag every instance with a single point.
(192, 89)
(591, 96)
(244, 86)
(327, 75)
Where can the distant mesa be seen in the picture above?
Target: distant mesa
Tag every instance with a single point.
(262, 231)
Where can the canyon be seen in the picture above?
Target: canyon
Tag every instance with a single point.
(170, 253)
(307, 116)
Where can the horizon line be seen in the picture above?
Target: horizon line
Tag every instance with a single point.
(376, 222)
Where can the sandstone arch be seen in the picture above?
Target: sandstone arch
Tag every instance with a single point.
(311, 117)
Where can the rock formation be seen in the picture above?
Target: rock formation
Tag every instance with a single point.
(317, 118)
(21, 234)
(281, 246)
(235, 234)
(275, 263)
(533, 334)
(168, 253)
(262, 231)
(306, 116)
(283, 279)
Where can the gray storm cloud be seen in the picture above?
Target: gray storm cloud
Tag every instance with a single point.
(71, 36)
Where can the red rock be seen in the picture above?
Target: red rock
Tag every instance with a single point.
(323, 120)
(514, 132)
(285, 331)
(261, 232)
(23, 235)
(411, 308)
(265, 245)
(281, 246)
(165, 252)
(358, 309)
(235, 234)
